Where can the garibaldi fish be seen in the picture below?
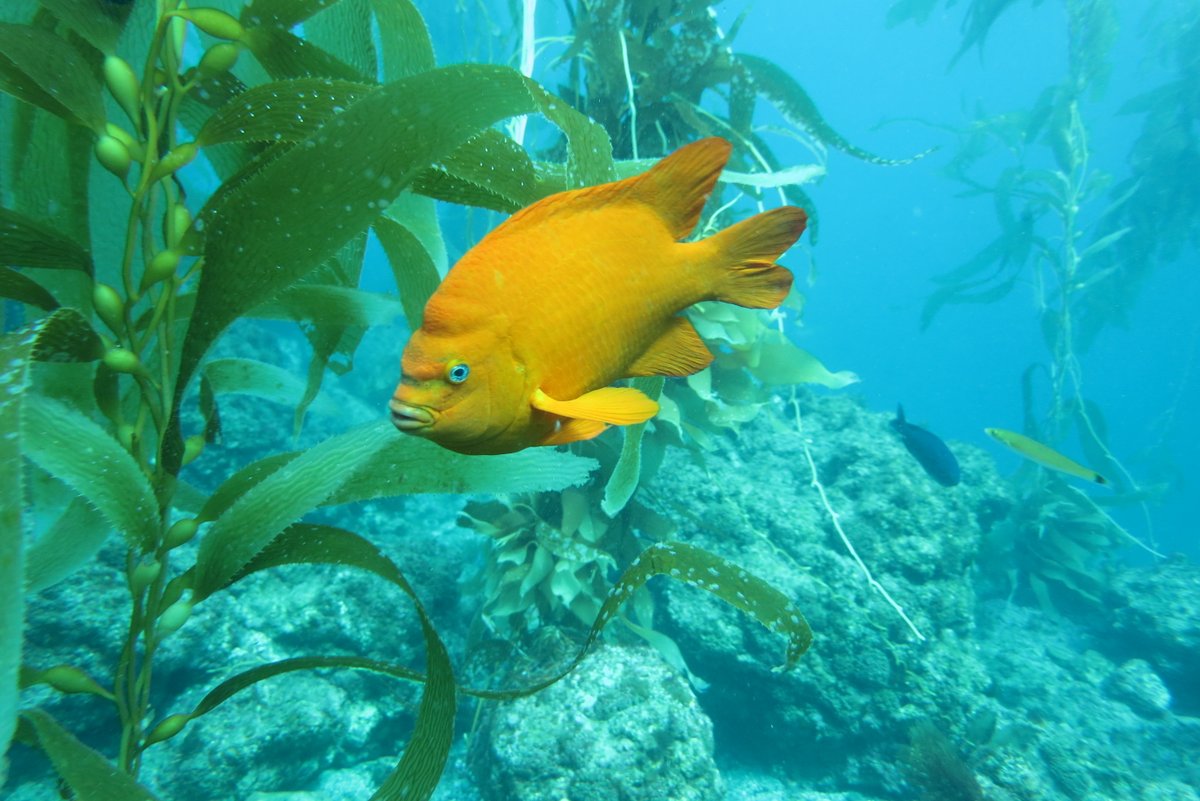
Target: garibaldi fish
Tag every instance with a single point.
(523, 339)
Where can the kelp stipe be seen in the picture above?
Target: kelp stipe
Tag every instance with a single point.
(130, 283)
(1066, 228)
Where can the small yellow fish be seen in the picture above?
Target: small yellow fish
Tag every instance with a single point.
(1043, 454)
(521, 342)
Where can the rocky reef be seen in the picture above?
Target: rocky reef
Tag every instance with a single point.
(999, 700)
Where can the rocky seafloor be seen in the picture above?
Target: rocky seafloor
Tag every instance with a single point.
(1003, 699)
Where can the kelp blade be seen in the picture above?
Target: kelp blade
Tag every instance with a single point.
(90, 776)
(338, 181)
(371, 461)
(424, 759)
(702, 569)
(56, 437)
(63, 335)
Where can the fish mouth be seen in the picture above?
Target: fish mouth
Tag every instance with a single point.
(410, 418)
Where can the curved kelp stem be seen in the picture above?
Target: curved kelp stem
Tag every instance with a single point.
(420, 767)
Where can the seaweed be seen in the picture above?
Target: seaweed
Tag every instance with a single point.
(648, 73)
(123, 270)
(1074, 233)
(931, 763)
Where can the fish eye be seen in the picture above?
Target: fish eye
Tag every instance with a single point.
(458, 373)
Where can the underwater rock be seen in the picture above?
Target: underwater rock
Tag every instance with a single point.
(1135, 683)
(866, 677)
(622, 727)
(1061, 694)
(1156, 616)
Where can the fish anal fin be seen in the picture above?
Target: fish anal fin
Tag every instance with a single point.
(678, 186)
(620, 406)
(679, 351)
(574, 430)
(746, 254)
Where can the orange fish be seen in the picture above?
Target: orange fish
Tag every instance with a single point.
(521, 342)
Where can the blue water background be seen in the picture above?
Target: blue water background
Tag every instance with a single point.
(886, 231)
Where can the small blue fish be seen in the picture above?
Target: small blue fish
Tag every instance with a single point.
(927, 449)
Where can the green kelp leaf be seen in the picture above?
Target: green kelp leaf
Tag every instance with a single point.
(1103, 243)
(48, 71)
(780, 364)
(282, 13)
(71, 542)
(981, 15)
(240, 483)
(419, 215)
(25, 242)
(414, 269)
(424, 759)
(281, 111)
(344, 31)
(99, 23)
(90, 776)
(628, 471)
(331, 305)
(702, 569)
(401, 464)
(961, 294)
(248, 377)
(334, 338)
(86, 458)
(63, 335)
(404, 39)
(20, 287)
(490, 171)
(277, 501)
(285, 55)
(778, 86)
(336, 183)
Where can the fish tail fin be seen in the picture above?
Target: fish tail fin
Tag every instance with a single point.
(746, 254)
(678, 186)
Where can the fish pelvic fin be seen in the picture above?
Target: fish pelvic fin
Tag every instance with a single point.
(574, 430)
(746, 254)
(678, 186)
(616, 405)
(678, 352)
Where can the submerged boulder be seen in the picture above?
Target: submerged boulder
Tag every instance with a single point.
(622, 727)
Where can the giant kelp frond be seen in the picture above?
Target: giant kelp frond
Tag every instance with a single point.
(312, 151)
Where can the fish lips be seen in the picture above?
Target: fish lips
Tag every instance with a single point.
(408, 418)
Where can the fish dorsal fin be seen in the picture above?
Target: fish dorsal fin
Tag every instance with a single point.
(617, 405)
(678, 186)
(679, 351)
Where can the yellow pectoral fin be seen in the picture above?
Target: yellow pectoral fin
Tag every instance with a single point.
(620, 406)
